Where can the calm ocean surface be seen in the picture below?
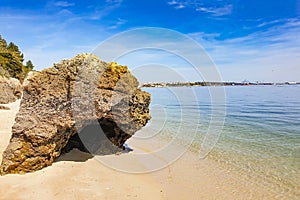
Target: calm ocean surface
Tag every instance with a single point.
(260, 139)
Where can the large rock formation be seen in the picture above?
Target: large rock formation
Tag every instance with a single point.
(10, 90)
(63, 106)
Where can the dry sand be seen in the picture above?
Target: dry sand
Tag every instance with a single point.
(76, 175)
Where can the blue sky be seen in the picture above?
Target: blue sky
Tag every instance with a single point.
(256, 40)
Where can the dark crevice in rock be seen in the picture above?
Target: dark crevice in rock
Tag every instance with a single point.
(74, 142)
(97, 139)
(69, 93)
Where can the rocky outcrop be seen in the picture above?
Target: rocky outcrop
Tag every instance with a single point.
(10, 90)
(80, 103)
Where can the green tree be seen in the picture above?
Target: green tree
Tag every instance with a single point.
(3, 44)
(12, 47)
(29, 65)
(11, 61)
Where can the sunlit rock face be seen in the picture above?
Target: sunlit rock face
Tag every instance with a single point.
(10, 90)
(62, 103)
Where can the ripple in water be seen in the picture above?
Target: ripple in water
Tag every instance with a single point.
(261, 135)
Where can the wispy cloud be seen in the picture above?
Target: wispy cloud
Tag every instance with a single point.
(204, 36)
(63, 4)
(172, 2)
(180, 6)
(271, 22)
(269, 55)
(177, 4)
(119, 23)
(104, 10)
(59, 31)
(221, 11)
(220, 8)
(54, 38)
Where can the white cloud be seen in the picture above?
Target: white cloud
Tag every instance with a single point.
(221, 11)
(173, 2)
(47, 39)
(271, 55)
(98, 13)
(271, 22)
(63, 4)
(180, 6)
(119, 23)
(205, 36)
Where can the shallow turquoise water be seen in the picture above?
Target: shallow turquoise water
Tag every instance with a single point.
(260, 139)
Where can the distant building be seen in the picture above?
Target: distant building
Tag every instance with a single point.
(291, 83)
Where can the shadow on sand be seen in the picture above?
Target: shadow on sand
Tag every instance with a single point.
(90, 142)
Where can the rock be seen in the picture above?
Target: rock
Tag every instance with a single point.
(29, 76)
(62, 108)
(10, 90)
(4, 107)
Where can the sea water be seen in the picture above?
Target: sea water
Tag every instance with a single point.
(260, 139)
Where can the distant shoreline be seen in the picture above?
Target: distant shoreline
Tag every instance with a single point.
(189, 84)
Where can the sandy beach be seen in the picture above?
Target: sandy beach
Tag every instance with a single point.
(150, 100)
(77, 175)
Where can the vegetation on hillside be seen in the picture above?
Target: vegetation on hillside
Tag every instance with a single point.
(11, 61)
